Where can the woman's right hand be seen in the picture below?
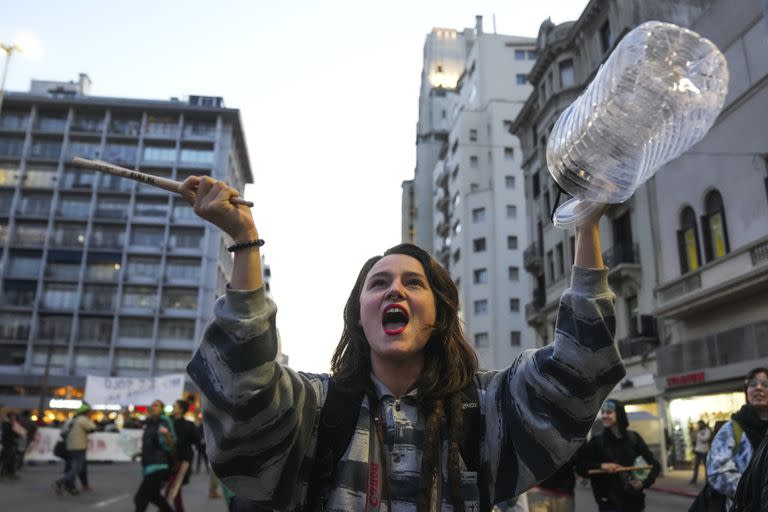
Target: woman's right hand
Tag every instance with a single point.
(610, 467)
(210, 199)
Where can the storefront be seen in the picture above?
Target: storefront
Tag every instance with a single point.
(692, 397)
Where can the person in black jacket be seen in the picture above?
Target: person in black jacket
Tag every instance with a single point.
(612, 451)
(157, 446)
(186, 437)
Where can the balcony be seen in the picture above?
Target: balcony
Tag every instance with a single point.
(738, 274)
(743, 345)
(643, 337)
(533, 259)
(443, 229)
(533, 313)
(623, 262)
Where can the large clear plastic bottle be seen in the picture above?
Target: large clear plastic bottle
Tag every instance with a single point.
(658, 93)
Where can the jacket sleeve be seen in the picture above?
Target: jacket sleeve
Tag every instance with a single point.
(645, 452)
(722, 471)
(588, 457)
(539, 410)
(259, 416)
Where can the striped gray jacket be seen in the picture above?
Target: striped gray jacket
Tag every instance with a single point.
(261, 418)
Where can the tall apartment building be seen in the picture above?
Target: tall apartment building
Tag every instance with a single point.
(687, 253)
(100, 275)
(445, 53)
(476, 199)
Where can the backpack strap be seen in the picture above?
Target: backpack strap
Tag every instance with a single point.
(738, 432)
(472, 440)
(338, 420)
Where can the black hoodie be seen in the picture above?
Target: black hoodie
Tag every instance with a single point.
(613, 491)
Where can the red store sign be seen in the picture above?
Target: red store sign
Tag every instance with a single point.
(685, 380)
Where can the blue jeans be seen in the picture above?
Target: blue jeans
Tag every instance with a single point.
(701, 459)
(77, 461)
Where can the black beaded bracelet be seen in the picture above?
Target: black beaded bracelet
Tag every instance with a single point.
(245, 245)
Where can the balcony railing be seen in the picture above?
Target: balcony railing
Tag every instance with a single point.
(745, 343)
(621, 254)
(533, 259)
(739, 272)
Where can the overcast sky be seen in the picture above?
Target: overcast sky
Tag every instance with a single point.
(328, 93)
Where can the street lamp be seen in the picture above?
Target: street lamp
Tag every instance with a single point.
(8, 49)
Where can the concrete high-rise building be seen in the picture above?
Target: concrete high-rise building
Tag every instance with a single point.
(100, 275)
(445, 53)
(475, 195)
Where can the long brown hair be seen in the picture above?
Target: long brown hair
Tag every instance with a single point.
(449, 366)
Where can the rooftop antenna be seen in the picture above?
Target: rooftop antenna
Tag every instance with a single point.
(494, 23)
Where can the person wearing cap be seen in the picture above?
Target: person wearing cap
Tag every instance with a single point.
(612, 452)
(77, 442)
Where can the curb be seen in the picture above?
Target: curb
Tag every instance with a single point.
(671, 490)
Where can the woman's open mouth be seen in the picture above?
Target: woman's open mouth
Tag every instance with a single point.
(395, 319)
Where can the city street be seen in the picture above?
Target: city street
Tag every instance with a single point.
(114, 485)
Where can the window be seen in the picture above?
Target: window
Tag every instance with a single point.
(547, 205)
(45, 149)
(519, 54)
(36, 205)
(60, 296)
(535, 185)
(473, 135)
(566, 73)
(514, 338)
(605, 37)
(156, 208)
(123, 153)
(186, 238)
(456, 255)
(108, 237)
(511, 242)
(473, 161)
(481, 340)
(98, 298)
(162, 126)
(147, 236)
(511, 211)
(514, 305)
(95, 330)
(54, 328)
(531, 54)
(509, 153)
(551, 266)
(509, 181)
(111, 208)
(714, 228)
(140, 267)
(481, 307)
(559, 259)
(159, 154)
(135, 328)
(197, 156)
(183, 269)
(478, 245)
(140, 297)
(478, 214)
(513, 273)
(177, 329)
(521, 78)
(688, 241)
(474, 187)
(480, 276)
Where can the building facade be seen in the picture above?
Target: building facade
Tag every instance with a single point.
(671, 254)
(476, 195)
(100, 275)
(445, 53)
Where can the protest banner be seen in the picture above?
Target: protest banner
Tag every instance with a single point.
(127, 391)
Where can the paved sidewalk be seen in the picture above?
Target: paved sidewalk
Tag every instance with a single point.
(676, 482)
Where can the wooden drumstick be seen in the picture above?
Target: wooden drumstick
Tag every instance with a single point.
(626, 468)
(156, 181)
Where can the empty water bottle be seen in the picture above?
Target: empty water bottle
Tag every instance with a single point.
(658, 93)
